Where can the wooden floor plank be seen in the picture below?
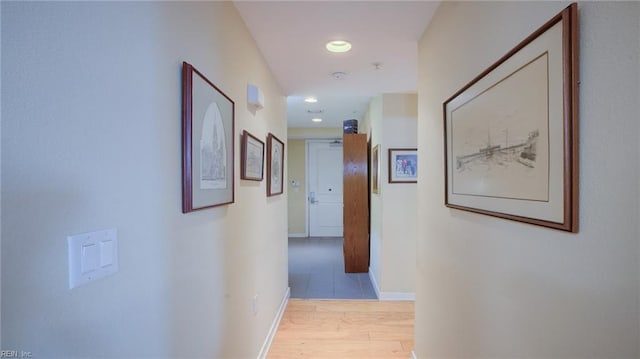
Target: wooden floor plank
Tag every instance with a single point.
(346, 329)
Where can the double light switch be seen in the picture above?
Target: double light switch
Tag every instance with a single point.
(92, 256)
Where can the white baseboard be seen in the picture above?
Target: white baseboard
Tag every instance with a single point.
(397, 296)
(390, 296)
(413, 355)
(374, 282)
(274, 326)
(297, 235)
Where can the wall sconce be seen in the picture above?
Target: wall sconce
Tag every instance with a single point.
(255, 98)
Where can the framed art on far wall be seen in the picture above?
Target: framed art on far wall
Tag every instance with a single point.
(275, 166)
(511, 134)
(403, 165)
(251, 158)
(207, 143)
(375, 169)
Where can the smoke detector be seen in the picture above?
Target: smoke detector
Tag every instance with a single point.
(339, 75)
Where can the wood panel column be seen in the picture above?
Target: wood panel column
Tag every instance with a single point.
(356, 203)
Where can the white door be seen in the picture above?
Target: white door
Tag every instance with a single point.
(325, 189)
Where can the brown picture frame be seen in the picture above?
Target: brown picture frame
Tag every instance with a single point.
(375, 169)
(208, 115)
(487, 149)
(251, 158)
(275, 165)
(403, 165)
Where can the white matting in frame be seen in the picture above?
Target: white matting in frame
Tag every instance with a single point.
(207, 143)
(275, 166)
(511, 133)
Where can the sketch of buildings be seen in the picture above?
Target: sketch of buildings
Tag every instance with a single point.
(213, 150)
(276, 168)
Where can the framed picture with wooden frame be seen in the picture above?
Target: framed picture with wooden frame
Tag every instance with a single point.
(403, 165)
(275, 166)
(511, 134)
(207, 143)
(251, 158)
(375, 169)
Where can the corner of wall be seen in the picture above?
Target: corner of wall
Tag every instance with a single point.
(374, 282)
(0, 179)
(375, 137)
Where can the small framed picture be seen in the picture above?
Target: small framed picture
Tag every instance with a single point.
(375, 169)
(403, 165)
(275, 165)
(252, 158)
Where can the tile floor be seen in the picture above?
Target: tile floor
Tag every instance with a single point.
(316, 270)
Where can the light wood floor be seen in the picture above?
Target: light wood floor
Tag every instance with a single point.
(344, 329)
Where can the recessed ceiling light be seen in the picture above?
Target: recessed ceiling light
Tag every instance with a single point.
(338, 46)
(317, 119)
(311, 99)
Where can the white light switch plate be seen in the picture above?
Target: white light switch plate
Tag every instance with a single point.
(92, 256)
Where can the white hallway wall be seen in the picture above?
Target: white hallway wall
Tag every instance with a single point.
(0, 183)
(400, 112)
(391, 122)
(373, 125)
(91, 139)
(493, 288)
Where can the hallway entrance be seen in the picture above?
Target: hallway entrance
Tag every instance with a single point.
(316, 270)
(324, 173)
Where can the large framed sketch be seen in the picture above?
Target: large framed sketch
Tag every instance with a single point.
(511, 134)
(251, 157)
(275, 166)
(207, 143)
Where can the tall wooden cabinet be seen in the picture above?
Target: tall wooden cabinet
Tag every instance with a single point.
(356, 203)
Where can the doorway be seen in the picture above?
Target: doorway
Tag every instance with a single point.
(324, 188)
(316, 261)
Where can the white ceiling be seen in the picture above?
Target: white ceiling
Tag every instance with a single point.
(292, 37)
